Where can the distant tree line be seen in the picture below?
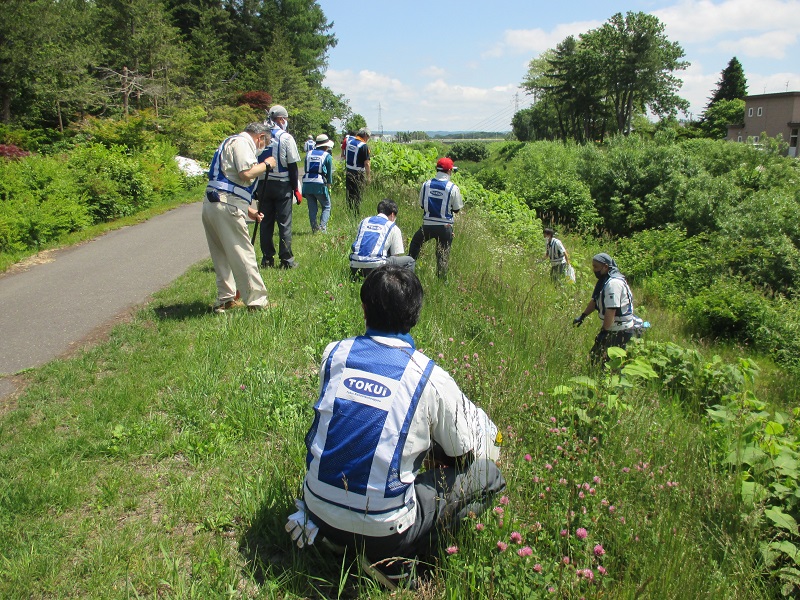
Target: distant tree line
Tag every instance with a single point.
(61, 60)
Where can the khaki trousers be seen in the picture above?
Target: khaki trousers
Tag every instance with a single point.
(233, 255)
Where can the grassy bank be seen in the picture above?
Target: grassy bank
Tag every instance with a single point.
(163, 463)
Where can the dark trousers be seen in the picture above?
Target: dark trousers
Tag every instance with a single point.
(354, 184)
(445, 497)
(443, 234)
(599, 352)
(276, 203)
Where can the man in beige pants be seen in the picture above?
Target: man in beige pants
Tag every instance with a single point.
(227, 205)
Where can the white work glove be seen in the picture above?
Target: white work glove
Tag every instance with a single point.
(302, 529)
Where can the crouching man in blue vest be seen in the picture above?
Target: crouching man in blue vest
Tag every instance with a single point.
(383, 409)
(379, 242)
(613, 300)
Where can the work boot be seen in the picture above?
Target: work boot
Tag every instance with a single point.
(289, 264)
(267, 261)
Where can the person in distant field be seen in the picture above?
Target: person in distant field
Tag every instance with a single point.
(345, 139)
(226, 208)
(555, 251)
(357, 163)
(440, 200)
(317, 180)
(384, 408)
(309, 145)
(379, 242)
(613, 301)
(281, 192)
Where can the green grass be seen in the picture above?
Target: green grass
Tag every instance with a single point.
(163, 462)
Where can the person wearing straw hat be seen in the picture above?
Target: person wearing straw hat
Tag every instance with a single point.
(317, 180)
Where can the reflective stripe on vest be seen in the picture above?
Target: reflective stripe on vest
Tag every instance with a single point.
(353, 147)
(435, 202)
(369, 396)
(368, 250)
(621, 318)
(281, 171)
(218, 181)
(315, 160)
(554, 252)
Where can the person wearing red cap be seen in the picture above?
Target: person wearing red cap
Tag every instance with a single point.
(440, 200)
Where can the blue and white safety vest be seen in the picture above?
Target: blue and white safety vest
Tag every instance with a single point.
(623, 319)
(309, 145)
(368, 250)
(555, 251)
(218, 181)
(315, 160)
(352, 149)
(435, 201)
(281, 170)
(370, 392)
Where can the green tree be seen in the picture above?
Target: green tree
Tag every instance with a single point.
(354, 123)
(637, 63)
(720, 114)
(732, 84)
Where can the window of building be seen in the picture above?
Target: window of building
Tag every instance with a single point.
(755, 139)
(793, 139)
(760, 111)
(739, 139)
(749, 112)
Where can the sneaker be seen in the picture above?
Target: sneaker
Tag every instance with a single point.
(285, 264)
(267, 261)
(227, 305)
(391, 573)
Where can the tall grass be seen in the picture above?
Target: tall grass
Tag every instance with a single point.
(163, 462)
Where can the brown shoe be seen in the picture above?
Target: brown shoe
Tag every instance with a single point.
(258, 307)
(227, 305)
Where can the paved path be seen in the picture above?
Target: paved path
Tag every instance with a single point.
(49, 308)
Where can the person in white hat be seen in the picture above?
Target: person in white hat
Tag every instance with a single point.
(309, 145)
(316, 183)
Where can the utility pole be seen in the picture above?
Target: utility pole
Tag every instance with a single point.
(380, 120)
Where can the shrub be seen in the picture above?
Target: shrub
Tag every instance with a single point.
(474, 151)
(115, 185)
(543, 174)
(137, 132)
(39, 201)
(256, 99)
(11, 151)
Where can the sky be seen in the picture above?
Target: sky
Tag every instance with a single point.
(409, 65)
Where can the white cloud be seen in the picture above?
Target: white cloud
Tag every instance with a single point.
(773, 83)
(536, 41)
(769, 45)
(433, 72)
(702, 20)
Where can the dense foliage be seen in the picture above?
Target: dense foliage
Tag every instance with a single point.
(61, 60)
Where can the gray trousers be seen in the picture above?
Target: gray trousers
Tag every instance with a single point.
(445, 497)
(276, 204)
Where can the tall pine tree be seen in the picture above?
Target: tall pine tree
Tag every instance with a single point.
(732, 84)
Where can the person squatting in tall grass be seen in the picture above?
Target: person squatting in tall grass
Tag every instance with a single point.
(228, 203)
(379, 242)
(613, 300)
(383, 409)
(555, 251)
(317, 180)
(440, 200)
